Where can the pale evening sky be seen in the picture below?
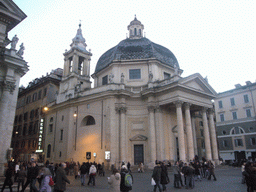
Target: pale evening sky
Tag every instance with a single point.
(213, 38)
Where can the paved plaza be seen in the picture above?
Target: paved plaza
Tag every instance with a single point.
(228, 180)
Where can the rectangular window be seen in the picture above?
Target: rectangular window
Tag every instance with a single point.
(61, 134)
(34, 97)
(253, 141)
(28, 99)
(201, 123)
(225, 143)
(105, 80)
(222, 117)
(167, 75)
(246, 99)
(234, 115)
(50, 128)
(232, 101)
(248, 113)
(45, 92)
(220, 104)
(238, 142)
(202, 132)
(134, 74)
(39, 94)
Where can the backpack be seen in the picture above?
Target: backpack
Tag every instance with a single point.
(128, 180)
(51, 182)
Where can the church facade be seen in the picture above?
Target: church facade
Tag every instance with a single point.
(139, 110)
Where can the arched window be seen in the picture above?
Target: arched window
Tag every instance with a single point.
(135, 31)
(140, 32)
(236, 130)
(88, 120)
(49, 151)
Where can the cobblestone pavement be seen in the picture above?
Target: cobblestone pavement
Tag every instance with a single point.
(228, 180)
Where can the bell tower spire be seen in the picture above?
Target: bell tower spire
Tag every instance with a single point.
(76, 73)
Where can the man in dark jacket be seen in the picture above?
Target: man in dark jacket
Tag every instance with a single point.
(61, 179)
(164, 176)
(190, 172)
(31, 178)
(8, 178)
(83, 170)
(157, 176)
(123, 187)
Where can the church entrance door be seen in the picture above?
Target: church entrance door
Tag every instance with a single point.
(138, 154)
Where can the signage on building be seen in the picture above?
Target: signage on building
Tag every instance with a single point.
(107, 155)
(41, 128)
(88, 155)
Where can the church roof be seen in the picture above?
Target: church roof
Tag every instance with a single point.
(141, 48)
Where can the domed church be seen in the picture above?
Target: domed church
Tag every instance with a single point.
(140, 109)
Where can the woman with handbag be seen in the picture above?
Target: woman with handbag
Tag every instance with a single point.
(46, 177)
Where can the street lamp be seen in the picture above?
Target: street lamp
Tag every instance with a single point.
(45, 109)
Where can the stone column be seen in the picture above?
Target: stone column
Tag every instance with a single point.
(194, 135)
(85, 66)
(7, 112)
(213, 137)
(66, 67)
(206, 136)
(75, 63)
(160, 152)
(123, 145)
(152, 134)
(181, 138)
(190, 141)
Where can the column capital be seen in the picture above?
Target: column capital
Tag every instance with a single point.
(151, 108)
(158, 109)
(211, 111)
(204, 109)
(178, 103)
(187, 105)
(9, 86)
(121, 109)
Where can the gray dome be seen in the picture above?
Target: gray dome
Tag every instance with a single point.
(142, 48)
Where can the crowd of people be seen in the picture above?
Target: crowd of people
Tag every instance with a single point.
(54, 176)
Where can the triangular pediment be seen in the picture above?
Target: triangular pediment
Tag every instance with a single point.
(198, 83)
(138, 137)
(10, 11)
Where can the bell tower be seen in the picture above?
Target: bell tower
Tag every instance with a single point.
(76, 72)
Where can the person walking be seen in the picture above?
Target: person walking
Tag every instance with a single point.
(31, 178)
(211, 171)
(126, 179)
(190, 180)
(114, 181)
(76, 170)
(21, 177)
(8, 178)
(92, 175)
(61, 179)
(83, 173)
(177, 176)
(157, 176)
(46, 176)
(164, 176)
